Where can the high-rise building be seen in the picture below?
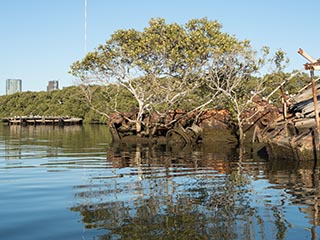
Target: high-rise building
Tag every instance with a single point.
(53, 85)
(13, 86)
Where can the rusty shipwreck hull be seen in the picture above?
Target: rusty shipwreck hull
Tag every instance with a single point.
(294, 138)
(176, 127)
(294, 135)
(281, 144)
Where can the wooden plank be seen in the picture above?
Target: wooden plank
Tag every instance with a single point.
(305, 95)
(305, 123)
(306, 56)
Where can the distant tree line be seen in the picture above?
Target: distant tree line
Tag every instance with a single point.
(70, 101)
(65, 102)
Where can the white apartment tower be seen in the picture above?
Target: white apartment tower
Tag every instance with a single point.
(13, 86)
(53, 85)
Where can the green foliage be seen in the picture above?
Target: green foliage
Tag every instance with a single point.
(292, 84)
(162, 66)
(66, 102)
(70, 102)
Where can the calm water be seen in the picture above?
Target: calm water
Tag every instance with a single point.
(72, 183)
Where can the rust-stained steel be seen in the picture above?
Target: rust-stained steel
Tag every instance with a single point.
(315, 101)
(298, 134)
(312, 66)
(314, 63)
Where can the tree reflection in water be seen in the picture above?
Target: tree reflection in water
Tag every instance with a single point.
(160, 192)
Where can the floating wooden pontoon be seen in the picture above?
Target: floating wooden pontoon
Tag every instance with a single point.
(41, 120)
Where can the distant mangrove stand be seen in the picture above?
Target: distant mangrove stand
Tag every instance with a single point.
(70, 101)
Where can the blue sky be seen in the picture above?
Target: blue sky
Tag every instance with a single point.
(40, 39)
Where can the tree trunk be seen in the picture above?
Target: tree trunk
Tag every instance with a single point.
(139, 119)
(241, 133)
(138, 127)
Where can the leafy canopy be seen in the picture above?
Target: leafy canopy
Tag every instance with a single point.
(161, 66)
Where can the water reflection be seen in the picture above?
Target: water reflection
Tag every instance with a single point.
(141, 191)
(51, 141)
(157, 193)
(300, 180)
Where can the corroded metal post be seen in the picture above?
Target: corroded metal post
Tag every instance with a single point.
(315, 101)
(313, 65)
(316, 114)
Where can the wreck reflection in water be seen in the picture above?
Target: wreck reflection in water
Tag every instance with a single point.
(71, 183)
(159, 192)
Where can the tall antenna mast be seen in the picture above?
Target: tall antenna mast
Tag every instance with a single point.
(85, 27)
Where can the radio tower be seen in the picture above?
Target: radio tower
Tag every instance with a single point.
(85, 27)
